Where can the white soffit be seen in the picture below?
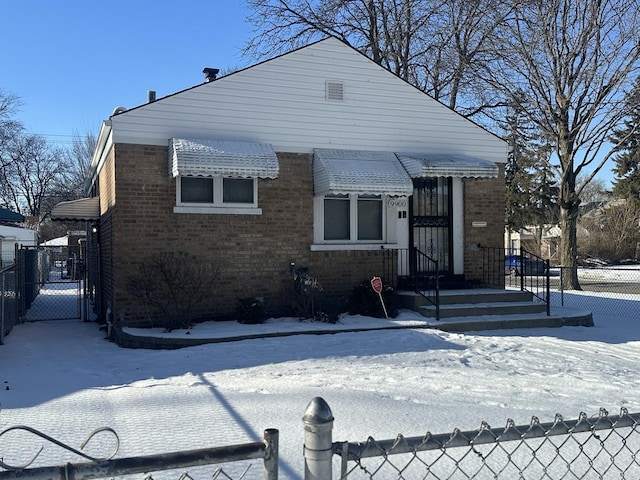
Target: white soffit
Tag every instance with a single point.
(87, 209)
(208, 158)
(360, 172)
(447, 165)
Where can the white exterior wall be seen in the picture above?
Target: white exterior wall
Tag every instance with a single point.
(282, 102)
(457, 192)
(12, 236)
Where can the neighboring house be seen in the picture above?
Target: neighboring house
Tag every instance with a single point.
(319, 157)
(67, 253)
(544, 244)
(13, 236)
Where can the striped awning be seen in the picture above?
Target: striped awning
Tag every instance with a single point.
(207, 158)
(87, 209)
(447, 165)
(359, 172)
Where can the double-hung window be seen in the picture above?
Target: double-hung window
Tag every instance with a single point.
(219, 176)
(216, 194)
(352, 218)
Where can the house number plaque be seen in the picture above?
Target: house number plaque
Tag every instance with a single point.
(397, 202)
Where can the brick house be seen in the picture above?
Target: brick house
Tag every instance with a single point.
(318, 157)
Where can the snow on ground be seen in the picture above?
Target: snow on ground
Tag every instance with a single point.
(63, 378)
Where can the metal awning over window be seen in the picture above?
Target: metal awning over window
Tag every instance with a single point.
(208, 158)
(447, 165)
(359, 172)
(86, 209)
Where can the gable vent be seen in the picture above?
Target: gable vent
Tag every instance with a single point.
(335, 91)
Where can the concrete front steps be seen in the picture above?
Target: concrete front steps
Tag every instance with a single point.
(491, 309)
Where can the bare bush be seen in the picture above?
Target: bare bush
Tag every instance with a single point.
(173, 284)
(612, 232)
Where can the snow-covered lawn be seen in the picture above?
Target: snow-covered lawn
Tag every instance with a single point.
(63, 378)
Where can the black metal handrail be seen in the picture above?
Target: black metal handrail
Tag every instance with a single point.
(535, 277)
(412, 269)
(426, 279)
(517, 268)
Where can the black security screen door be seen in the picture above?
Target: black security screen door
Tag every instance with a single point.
(431, 220)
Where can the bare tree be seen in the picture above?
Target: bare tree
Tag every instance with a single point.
(455, 43)
(594, 193)
(27, 179)
(79, 160)
(10, 128)
(432, 44)
(573, 58)
(611, 231)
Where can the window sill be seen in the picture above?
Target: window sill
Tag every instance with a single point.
(334, 247)
(207, 210)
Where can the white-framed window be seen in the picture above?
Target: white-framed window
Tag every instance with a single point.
(346, 219)
(225, 195)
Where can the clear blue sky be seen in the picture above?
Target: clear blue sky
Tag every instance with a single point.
(72, 62)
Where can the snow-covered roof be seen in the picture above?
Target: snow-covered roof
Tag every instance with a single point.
(447, 165)
(356, 171)
(57, 242)
(207, 157)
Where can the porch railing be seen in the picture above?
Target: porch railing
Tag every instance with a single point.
(411, 269)
(503, 267)
(427, 279)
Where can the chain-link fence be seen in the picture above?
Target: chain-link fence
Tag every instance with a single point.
(8, 301)
(51, 282)
(603, 447)
(621, 283)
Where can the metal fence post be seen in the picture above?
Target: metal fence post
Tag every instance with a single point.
(318, 440)
(271, 439)
(2, 313)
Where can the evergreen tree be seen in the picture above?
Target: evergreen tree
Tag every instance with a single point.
(531, 190)
(627, 160)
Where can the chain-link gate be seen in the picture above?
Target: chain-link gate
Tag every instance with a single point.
(52, 282)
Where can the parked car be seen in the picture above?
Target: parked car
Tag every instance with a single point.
(532, 266)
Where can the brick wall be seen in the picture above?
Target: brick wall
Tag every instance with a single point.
(251, 253)
(106, 190)
(484, 201)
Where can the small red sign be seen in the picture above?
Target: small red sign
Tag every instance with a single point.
(376, 284)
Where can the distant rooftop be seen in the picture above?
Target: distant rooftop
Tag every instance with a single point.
(7, 216)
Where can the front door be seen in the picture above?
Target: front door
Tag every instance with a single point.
(431, 222)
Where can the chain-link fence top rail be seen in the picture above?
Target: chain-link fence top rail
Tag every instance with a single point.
(604, 447)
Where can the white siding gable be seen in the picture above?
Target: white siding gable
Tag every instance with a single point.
(293, 102)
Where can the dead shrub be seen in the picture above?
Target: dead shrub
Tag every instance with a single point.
(173, 284)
